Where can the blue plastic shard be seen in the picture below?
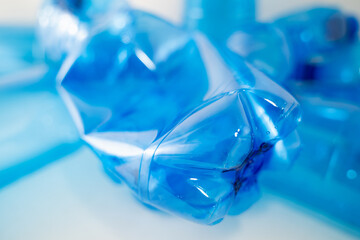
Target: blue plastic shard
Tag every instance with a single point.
(169, 113)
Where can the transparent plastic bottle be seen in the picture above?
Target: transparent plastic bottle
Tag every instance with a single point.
(318, 30)
(173, 117)
(340, 68)
(280, 49)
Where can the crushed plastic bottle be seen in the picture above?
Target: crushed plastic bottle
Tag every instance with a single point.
(172, 116)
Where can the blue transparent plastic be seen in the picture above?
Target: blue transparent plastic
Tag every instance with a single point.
(315, 31)
(279, 49)
(174, 117)
(35, 127)
(266, 47)
(218, 18)
(326, 175)
(340, 67)
(16, 49)
(36, 130)
(63, 25)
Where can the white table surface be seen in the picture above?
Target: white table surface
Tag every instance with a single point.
(74, 199)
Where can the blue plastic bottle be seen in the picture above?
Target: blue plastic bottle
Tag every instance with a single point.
(326, 175)
(172, 116)
(282, 49)
(339, 67)
(279, 49)
(335, 75)
(318, 30)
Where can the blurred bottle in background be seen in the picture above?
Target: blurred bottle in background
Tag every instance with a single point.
(16, 49)
(63, 25)
(266, 47)
(338, 67)
(35, 126)
(317, 31)
(279, 49)
(35, 118)
(335, 75)
(218, 19)
(326, 175)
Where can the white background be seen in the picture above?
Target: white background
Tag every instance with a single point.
(24, 11)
